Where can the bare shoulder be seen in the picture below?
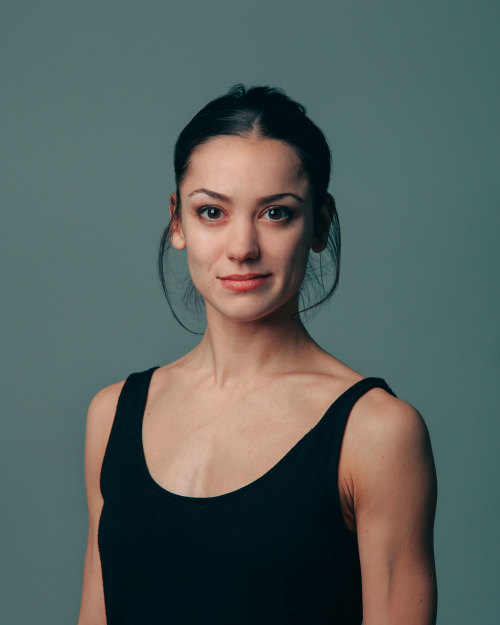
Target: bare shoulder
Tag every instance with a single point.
(385, 439)
(377, 417)
(100, 417)
(101, 411)
(380, 420)
(387, 445)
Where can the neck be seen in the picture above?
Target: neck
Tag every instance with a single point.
(233, 352)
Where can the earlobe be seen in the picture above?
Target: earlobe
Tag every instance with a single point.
(177, 240)
(325, 221)
(176, 234)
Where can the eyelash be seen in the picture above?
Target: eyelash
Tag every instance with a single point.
(287, 213)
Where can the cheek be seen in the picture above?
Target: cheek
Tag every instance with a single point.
(292, 251)
(202, 251)
(198, 258)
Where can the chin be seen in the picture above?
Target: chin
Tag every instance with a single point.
(252, 305)
(245, 310)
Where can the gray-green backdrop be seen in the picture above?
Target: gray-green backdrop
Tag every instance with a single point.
(93, 95)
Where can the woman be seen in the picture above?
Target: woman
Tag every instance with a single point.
(257, 479)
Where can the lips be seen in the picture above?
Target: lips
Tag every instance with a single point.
(244, 281)
(245, 276)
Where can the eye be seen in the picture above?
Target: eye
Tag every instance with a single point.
(210, 213)
(279, 213)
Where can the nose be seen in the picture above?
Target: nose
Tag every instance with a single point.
(242, 241)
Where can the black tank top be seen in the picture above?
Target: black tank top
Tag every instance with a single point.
(273, 552)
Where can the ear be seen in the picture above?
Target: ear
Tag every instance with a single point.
(325, 217)
(176, 233)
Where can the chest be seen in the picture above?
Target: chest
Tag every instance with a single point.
(201, 448)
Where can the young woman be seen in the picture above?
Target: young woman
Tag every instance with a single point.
(257, 479)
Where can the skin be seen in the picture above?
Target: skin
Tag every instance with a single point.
(212, 403)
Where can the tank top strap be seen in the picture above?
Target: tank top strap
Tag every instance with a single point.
(342, 408)
(344, 404)
(120, 467)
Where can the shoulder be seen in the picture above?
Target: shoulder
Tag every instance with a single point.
(101, 413)
(102, 408)
(380, 420)
(388, 447)
(100, 417)
(376, 417)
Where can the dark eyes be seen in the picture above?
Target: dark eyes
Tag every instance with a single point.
(210, 212)
(274, 213)
(278, 213)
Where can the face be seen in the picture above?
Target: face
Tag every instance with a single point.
(246, 222)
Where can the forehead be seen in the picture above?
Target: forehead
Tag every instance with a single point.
(246, 165)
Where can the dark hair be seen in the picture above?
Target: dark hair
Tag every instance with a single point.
(267, 112)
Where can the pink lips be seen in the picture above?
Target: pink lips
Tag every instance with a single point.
(244, 281)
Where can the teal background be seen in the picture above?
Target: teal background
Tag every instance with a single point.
(93, 95)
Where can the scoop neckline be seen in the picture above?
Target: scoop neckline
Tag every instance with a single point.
(259, 480)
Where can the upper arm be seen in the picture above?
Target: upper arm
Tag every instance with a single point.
(100, 418)
(394, 499)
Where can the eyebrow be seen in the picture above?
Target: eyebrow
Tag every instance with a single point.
(262, 200)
